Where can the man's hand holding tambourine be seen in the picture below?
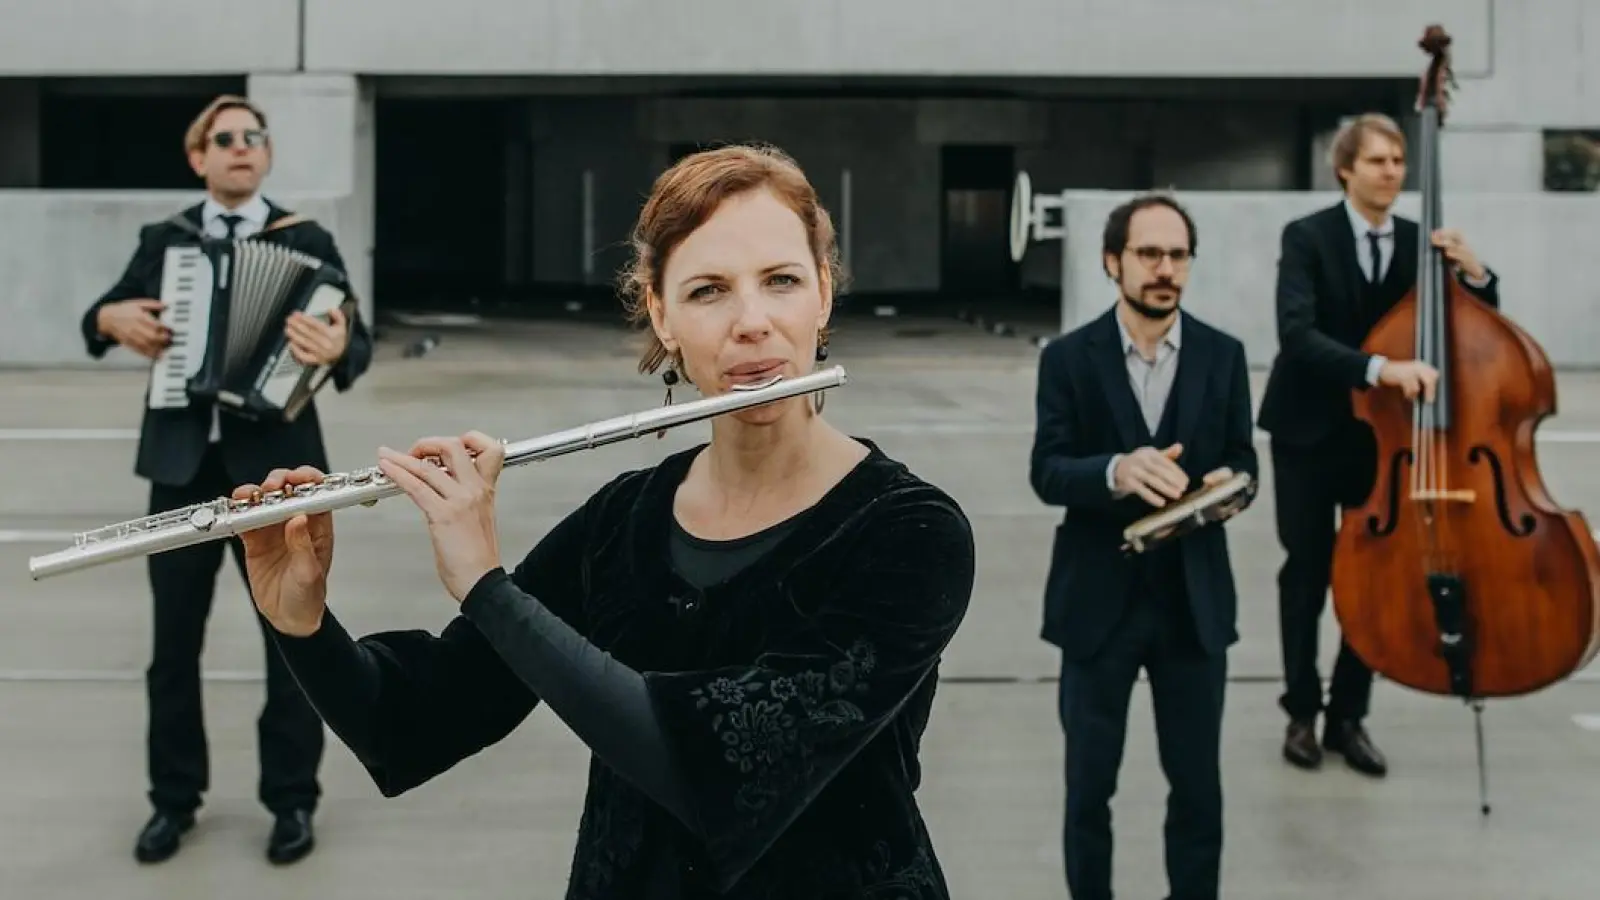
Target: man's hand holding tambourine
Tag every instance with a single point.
(1152, 474)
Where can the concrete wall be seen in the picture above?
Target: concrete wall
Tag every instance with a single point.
(1523, 67)
(826, 37)
(148, 37)
(823, 37)
(64, 249)
(1540, 245)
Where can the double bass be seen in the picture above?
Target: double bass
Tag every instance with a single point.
(1458, 575)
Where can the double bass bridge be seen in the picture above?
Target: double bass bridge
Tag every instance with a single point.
(1443, 496)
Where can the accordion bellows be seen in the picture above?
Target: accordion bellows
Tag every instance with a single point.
(227, 303)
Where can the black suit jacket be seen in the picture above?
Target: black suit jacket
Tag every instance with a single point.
(173, 441)
(1322, 323)
(1087, 412)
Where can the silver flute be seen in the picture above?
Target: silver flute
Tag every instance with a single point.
(225, 517)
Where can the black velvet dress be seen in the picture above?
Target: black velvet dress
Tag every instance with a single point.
(753, 738)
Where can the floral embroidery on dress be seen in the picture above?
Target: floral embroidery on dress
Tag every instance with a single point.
(760, 722)
(757, 735)
(725, 690)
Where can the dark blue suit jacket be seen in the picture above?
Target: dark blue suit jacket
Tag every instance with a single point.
(1086, 413)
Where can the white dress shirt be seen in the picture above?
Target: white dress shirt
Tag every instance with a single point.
(1361, 227)
(252, 213)
(1385, 232)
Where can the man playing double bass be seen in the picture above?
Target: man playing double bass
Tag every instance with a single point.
(1329, 296)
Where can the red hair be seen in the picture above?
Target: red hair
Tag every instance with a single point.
(687, 194)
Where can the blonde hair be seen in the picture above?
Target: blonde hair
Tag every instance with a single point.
(1352, 134)
(195, 138)
(687, 194)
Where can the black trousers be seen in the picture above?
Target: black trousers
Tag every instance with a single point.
(1187, 686)
(1311, 484)
(289, 732)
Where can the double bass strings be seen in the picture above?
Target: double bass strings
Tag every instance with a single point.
(1430, 437)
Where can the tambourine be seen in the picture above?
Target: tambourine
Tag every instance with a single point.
(1216, 503)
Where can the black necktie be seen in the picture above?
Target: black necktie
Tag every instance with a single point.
(1377, 258)
(232, 221)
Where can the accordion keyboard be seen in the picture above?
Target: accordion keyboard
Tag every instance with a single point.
(186, 284)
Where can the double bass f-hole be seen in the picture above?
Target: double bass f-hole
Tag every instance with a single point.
(1382, 527)
(1459, 575)
(1525, 525)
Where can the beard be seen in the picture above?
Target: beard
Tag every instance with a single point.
(1150, 310)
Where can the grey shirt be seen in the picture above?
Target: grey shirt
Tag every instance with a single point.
(1150, 379)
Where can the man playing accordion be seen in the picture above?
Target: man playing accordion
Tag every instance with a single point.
(196, 451)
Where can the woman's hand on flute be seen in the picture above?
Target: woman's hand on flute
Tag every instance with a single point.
(288, 562)
(456, 497)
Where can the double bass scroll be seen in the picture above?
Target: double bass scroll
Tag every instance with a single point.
(1459, 575)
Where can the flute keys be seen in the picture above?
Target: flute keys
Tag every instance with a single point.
(203, 518)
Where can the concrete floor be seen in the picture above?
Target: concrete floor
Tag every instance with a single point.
(953, 402)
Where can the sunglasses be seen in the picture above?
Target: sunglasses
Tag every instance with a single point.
(252, 137)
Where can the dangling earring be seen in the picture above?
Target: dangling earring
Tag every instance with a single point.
(820, 398)
(670, 377)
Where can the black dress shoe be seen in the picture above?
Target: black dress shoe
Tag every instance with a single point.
(1350, 740)
(1300, 744)
(160, 837)
(291, 838)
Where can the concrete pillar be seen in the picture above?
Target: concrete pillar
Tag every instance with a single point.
(313, 119)
(323, 159)
(1539, 77)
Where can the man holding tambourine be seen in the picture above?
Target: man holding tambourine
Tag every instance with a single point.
(1144, 434)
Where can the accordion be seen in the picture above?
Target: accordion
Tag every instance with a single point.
(226, 303)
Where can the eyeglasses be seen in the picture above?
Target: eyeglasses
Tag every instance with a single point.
(1152, 256)
(252, 137)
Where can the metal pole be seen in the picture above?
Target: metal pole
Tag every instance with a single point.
(844, 217)
(588, 226)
